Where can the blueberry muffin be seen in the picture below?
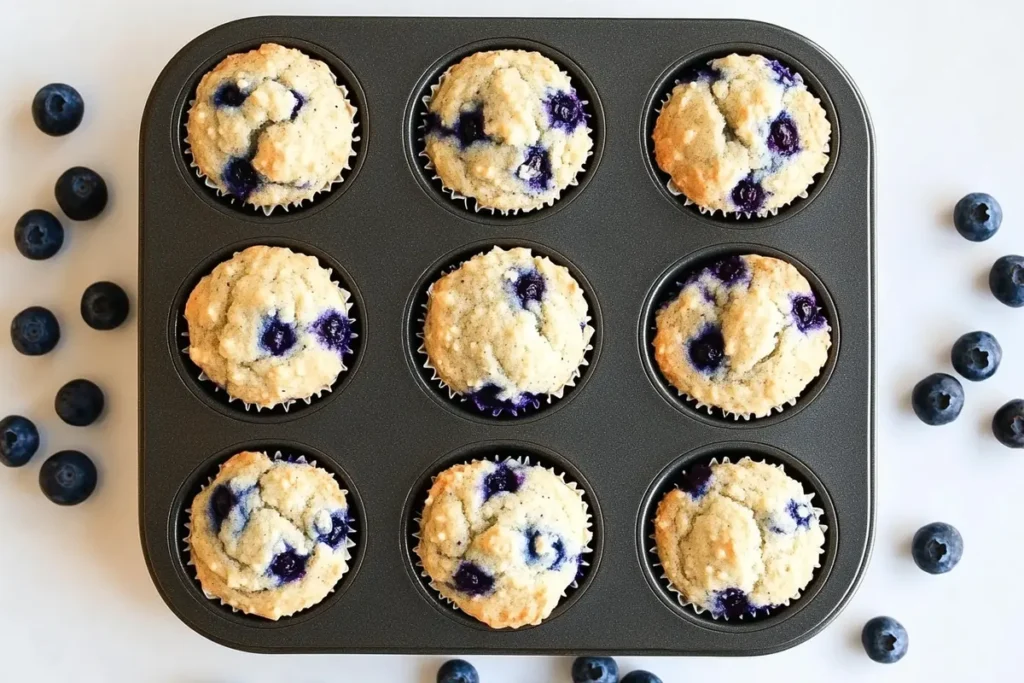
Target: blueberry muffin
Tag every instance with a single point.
(742, 135)
(269, 326)
(271, 127)
(505, 328)
(745, 335)
(503, 541)
(507, 129)
(270, 537)
(738, 539)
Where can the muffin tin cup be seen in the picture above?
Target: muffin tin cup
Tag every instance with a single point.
(211, 389)
(663, 93)
(427, 371)
(278, 452)
(499, 452)
(584, 89)
(668, 287)
(348, 92)
(728, 452)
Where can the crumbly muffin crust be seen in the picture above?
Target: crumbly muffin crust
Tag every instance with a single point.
(269, 537)
(269, 326)
(507, 129)
(745, 334)
(738, 537)
(271, 126)
(503, 541)
(742, 135)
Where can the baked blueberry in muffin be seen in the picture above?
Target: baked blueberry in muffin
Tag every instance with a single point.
(505, 329)
(271, 127)
(742, 135)
(270, 537)
(507, 129)
(503, 541)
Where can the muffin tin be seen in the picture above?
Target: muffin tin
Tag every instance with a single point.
(621, 432)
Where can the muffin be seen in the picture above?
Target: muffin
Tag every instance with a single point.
(271, 127)
(506, 328)
(269, 326)
(745, 335)
(507, 129)
(738, 539)
(503, 541)
(742, 135)
(270, 537)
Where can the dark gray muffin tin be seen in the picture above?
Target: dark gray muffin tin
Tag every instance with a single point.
(621, 433)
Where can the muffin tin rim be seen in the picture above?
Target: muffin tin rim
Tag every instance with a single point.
(468, 452)
(666, 280)
(663, 85)
(233, 409)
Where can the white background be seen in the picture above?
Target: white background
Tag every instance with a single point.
(942, 80)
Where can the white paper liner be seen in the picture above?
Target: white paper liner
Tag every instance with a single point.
(428, 164)
(523, 461)
(349, 543)
(819, 513)
(268, 210)
(462, 398)
(746, 417)
(738, 215)
(287, 404)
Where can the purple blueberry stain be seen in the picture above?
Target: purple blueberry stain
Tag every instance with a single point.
(701, 73)
(277, 337)
(783, 74)
(801, 513)
(222, 501)
(469, 127)
(487, 399)
(432, 125)
(748, 195)
(300, 101)
(565, 110)
(535, 170)
(696, 480)
(338, 533)
(733, 603)
(229, 95)
(471, 579)
(504, 479)
(529, 286)
(240, 178)
(783, 138)
(288, 566)
(707, 349)
(730, 270)
(537, 552)
(807, 313)
(333, 329)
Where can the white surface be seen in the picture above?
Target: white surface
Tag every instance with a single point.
(942, 81)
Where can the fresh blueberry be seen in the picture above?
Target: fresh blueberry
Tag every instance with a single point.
(104, 306)
(976, 356)
(529, 286)
(707, 349)
(79, 402)
(469, 127)
(938, 399)
(288, 566)
(1008, 424)
(807, 313)
(640, 676)
(67, 477)
(937, 547)
(1006, 280)
(748, 195)
(457, 671)
(565, 110)
(57, 109)
(977, 216)
(885, 640)
(595, 670)
(535, 170)
(472, 579)
(81, 193)
(783, 138)
(696, 480)
(504, 479)
(240, 177)
(38, 235)
(277, 337)
(229, 95)
(35, 331)
(19, 440)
